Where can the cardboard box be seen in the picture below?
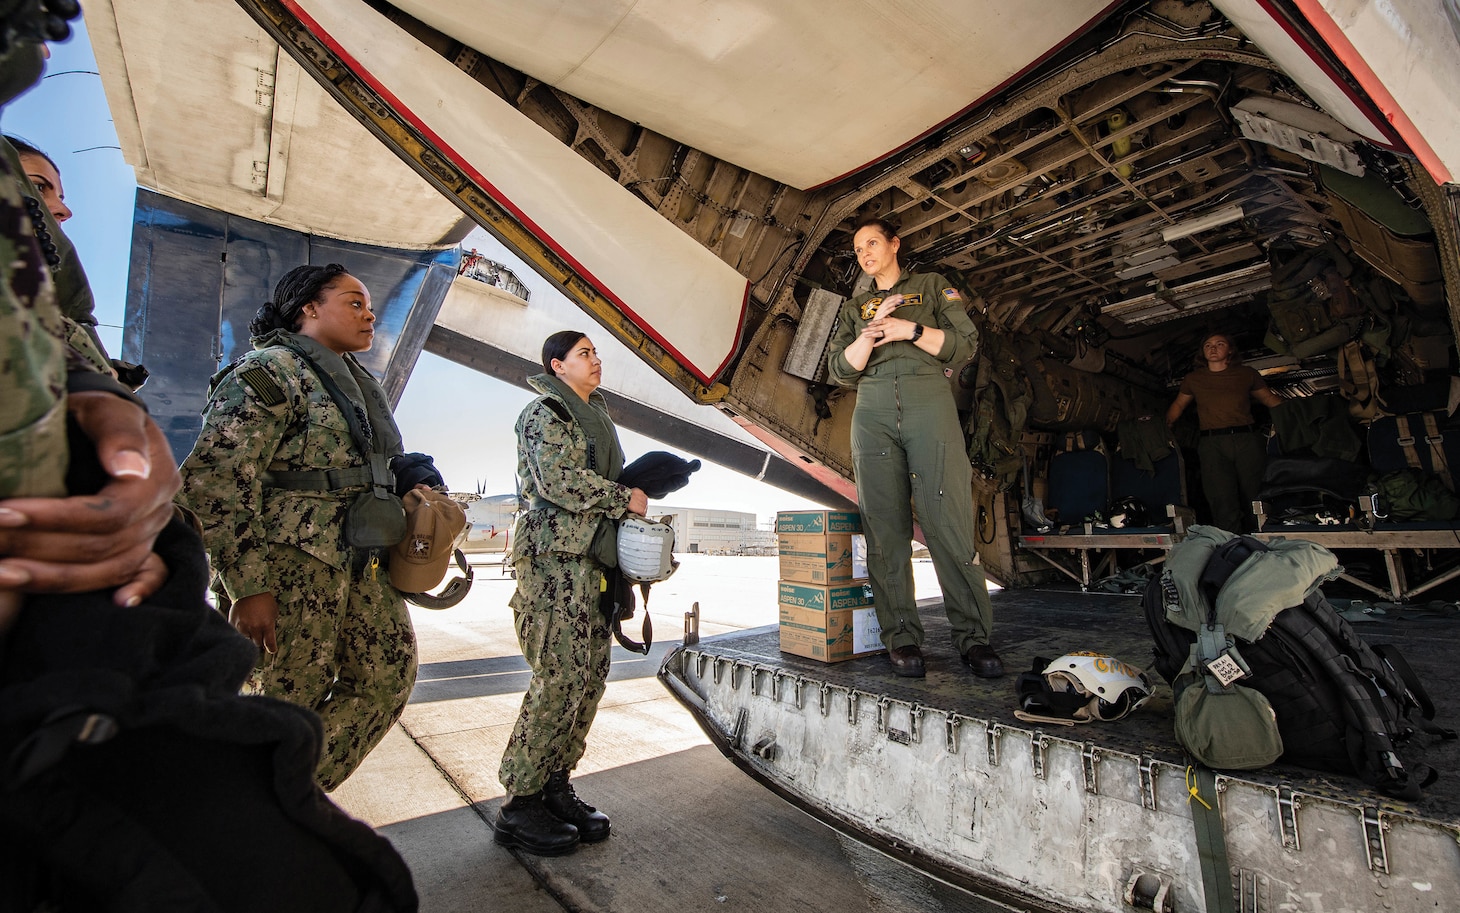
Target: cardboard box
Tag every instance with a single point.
(818, 522)
(814, 558)
(828, 623)
(821, 546)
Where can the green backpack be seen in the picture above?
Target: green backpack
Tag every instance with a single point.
(1413, 494)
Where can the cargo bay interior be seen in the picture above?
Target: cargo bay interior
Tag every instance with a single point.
(1157, 178)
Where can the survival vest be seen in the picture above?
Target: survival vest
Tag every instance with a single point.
(1314, 310)
(1341, 705)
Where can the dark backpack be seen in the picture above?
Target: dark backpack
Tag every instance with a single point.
(1341, 704)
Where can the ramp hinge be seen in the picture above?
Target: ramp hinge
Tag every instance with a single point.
(1148, 782)
(1374, 828)
(1038, 746)
(991, 737)
(1288, 805)
(692, 625)
(1090, 760)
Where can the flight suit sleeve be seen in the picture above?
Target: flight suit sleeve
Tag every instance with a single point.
(960, 336)
(248, 415)
(558, 463)
(838, 370)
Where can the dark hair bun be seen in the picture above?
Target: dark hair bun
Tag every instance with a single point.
(265, 320)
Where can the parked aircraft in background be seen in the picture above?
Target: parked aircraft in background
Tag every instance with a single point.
(490, 518)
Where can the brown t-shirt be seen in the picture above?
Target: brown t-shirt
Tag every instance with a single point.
(1223, 398)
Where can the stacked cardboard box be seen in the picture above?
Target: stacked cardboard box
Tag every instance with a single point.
(825, 600)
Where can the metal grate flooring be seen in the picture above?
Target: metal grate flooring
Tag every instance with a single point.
(1047, 623)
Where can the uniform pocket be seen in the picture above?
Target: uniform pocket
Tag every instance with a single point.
(928, 487)
(328, 432)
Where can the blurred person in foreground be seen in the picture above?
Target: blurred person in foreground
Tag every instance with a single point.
(44, 176)
(134, 777)
(568, 458)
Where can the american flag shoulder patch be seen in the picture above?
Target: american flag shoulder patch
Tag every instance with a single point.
(952, 294)
(262, 384)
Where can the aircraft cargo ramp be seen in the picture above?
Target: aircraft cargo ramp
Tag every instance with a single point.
(940, 773)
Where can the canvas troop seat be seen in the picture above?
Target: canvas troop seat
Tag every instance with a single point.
(1083, 483)
(1420, 441)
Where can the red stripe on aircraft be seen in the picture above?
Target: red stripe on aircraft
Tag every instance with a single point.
(1361, 101)
(1393, 115)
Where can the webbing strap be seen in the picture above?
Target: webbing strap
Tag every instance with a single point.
(1436, 439)
(1406, 440)
(316, 479)
(1211, 840)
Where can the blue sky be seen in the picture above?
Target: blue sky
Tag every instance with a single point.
(66, 115)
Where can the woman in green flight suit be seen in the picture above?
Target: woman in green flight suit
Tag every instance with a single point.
(908, 449)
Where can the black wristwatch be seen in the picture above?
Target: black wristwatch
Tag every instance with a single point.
(917, 334)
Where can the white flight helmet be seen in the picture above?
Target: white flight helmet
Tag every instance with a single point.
(646, 549)
(1114, 688)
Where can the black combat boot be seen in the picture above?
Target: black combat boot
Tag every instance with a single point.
(559, 798)
(524, 822)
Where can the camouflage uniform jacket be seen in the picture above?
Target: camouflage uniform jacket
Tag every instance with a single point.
(552, 465)
(33, 356)
(269, 413)
(928, 299)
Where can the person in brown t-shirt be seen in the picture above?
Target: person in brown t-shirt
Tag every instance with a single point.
(1230, 448)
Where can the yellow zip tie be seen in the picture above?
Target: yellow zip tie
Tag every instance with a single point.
(374, 565)
(1191, 788)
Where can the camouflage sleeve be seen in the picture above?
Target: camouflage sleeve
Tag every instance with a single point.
(33, 450)
(838, 370)
(559, 467)
(243, 426)
(960, 336)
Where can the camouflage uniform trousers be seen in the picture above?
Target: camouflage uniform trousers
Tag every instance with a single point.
(347, 651)
(565, 641)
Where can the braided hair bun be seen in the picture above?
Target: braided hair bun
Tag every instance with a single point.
(299, 287)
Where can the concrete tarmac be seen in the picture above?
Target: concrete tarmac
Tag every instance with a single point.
(690, 831)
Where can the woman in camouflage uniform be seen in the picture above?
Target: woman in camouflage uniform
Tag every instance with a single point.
(568, 455)
(272, 477)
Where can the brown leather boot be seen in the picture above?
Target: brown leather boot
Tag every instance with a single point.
(526, 823)
(560, 799)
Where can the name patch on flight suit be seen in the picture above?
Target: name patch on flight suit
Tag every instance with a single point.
(869, 307)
